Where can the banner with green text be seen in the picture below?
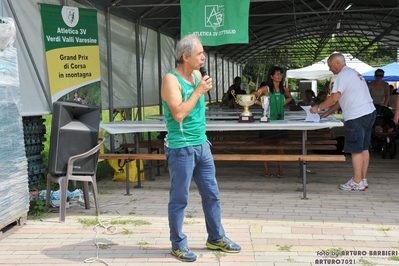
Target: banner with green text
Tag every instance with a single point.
(72, 53)
(216, 22)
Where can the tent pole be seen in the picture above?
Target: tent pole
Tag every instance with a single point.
(216, 76)
(109, 72)
(159, 70)
(139, 103)
(222, 77)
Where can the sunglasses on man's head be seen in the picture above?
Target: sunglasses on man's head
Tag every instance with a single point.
(379, 75)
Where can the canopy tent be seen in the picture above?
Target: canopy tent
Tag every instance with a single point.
(133, 60)
(391, 73)
(320, 70)
(137, 40)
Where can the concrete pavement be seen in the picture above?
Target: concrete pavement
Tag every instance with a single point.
(266, 216)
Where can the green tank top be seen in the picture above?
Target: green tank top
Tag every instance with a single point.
(277, 100)
(192, 130)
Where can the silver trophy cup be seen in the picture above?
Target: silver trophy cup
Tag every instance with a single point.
(265, 101)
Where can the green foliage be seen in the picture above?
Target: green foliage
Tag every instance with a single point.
(255, 73)
(36, 209)
(46, 149)
(303, 53)
(375, 55)
(90, 94)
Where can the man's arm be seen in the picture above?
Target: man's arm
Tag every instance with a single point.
(331, 100)
(171, 93)
(332, 109)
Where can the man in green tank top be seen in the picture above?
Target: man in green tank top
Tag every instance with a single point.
(188, 151)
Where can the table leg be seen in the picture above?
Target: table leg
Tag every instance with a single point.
(303, 168)
(150, 178)
(127, 178)
(138, 162)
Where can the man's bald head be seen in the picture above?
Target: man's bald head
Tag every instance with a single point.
(336, 62)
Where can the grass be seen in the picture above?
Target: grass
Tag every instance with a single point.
(284, 248)
(143, 245)
(218, 255)
(92, 222)
(394, 258)
(106, 246)
(366, 262)
(127, 231)
(88, 222)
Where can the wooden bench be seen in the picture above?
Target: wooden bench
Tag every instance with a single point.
(236, 146)
(230, 157)
(228, 142)
(286, 144)
(233, 157)
(321, 134)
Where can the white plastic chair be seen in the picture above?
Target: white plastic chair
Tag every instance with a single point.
(63, 182)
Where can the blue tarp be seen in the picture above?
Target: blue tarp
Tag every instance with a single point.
(391, 73)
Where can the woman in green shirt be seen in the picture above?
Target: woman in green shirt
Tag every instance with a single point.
(279, 97)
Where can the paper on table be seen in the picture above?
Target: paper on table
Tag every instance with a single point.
(309, 116)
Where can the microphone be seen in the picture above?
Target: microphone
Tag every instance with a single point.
(203, 71)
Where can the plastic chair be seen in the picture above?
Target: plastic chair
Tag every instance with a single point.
(63, 182)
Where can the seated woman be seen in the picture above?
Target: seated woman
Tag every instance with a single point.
(236, 87)
(309, 97)
(321, 97)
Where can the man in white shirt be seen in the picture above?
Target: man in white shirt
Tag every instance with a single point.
(350, 93)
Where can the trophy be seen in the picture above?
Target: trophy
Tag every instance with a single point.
(265, 101)
(245, 100)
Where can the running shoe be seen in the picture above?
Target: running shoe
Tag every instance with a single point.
(184, 254)
(223, 244)
(352, 186)
(347, 183)
(366, 185)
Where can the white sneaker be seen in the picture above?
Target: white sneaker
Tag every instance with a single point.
(352, 186)
(366, 185)
(347, 183)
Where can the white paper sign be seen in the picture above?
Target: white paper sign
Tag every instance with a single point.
(309, 116)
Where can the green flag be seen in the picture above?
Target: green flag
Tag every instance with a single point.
(216, 22)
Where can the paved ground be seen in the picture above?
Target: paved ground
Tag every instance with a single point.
(266, 216)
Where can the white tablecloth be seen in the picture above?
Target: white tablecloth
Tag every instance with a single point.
(121, 127)
(234, 114)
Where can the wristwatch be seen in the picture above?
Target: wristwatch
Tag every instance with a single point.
(318, 108)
